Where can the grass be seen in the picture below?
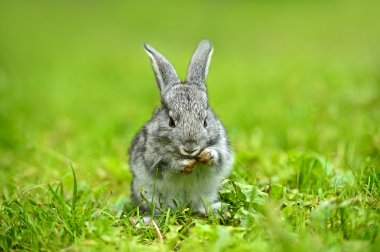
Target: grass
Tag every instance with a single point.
(296, 84)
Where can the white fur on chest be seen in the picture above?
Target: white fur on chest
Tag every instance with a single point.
(195, 188)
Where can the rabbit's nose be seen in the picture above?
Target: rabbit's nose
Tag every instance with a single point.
(189, 148)
(190, 151)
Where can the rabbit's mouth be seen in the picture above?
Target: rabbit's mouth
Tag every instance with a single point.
(189, 152)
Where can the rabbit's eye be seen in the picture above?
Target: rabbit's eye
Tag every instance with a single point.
(171, 122)
(205, 123)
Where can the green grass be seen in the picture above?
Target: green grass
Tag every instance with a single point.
(296, 84)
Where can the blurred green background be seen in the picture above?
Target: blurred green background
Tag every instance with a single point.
(76, 84)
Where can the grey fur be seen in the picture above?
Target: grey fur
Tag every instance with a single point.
(160, 153)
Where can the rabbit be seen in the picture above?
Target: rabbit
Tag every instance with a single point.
(182, 153)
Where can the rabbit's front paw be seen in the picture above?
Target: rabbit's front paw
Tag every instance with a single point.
(207, 156)
(188, 166)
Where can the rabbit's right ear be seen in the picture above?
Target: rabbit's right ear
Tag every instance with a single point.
(163, 69)
(199, 63)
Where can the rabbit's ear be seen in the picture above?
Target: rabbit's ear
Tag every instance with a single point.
(163, 69)
(198, 67)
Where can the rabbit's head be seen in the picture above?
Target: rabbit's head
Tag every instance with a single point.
(184, 124)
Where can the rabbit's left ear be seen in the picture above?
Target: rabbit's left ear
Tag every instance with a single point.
(199, 64)
(163, 69)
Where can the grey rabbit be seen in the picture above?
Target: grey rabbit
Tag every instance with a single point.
(182, 153)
